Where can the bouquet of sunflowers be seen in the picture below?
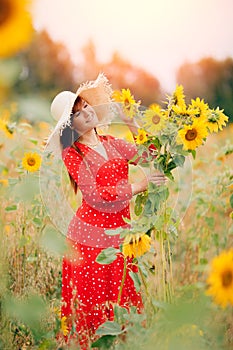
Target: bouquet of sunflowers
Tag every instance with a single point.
(166, 136)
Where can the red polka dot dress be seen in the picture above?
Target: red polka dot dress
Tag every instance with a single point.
(89, 289)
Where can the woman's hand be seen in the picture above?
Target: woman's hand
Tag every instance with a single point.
(120, 113)
(130, 122)
(156, 177)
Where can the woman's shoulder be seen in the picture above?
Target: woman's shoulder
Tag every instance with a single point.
(70, 151)
(106, 137)
(109, 138)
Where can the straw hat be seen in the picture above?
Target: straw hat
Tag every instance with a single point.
(97, 93)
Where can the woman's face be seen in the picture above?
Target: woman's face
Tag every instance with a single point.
(84, 118)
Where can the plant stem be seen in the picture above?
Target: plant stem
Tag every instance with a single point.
(143, 281)
(122, 283)
(170, 269)
(163, 264)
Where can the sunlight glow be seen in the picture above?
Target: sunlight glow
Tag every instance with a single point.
(157, 35)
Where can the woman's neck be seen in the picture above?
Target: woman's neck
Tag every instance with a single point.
(90, 137)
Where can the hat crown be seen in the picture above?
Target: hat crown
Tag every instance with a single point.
(63, 101)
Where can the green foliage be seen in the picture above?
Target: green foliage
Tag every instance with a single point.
(53, 241)
(231, 200)
(31, 248)
(105, 342)
(107, 256)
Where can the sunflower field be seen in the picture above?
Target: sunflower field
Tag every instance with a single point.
(184, 253)
(181, 234)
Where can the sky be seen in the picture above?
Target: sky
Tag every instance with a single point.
(157, 35)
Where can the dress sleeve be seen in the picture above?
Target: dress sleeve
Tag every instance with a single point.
(94, 192)
(127, 150)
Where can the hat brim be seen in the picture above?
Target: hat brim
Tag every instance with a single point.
(98, 94)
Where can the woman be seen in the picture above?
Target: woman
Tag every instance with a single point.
(98, 166)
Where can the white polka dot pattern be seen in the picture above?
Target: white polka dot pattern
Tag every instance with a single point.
(89, 289)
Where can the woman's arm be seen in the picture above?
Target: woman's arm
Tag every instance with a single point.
(129, 151)
(156, 177)
(130, 122)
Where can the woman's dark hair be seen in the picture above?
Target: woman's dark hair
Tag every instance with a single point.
(69, 136)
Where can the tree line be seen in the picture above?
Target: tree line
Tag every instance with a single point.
(47, 68)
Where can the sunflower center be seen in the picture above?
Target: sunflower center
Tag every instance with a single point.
(141, 137)
(198, 113)
(31, 161)
(191, 135)
(156, 119)
(227, 278)
(5, 10)
(213, 118)
(126, 102)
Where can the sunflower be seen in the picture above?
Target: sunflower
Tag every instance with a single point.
(5, 125)
(127, 99)
(178, 97)
(220, 280)
(183, 112)
(31, 161)
(64, 327)
(141, 137)
(199, 108)
(135, 245)
(15, 26)
(216, 120)
(154, 119)
(192, 136)
(4, 182)
(116, 96)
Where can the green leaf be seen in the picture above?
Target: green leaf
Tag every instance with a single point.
(143, 269)
(215, 238)
(11, 207)
(37, 222)
(110, 328)
(210, 221)
(119, 313)
(156, 142)
(169, 175)
(23, 241)
(136, 280)
(139, 203)
(53, 241)
(107, 256)
(34, 141)
(171, 165)
(203, 261)
(104, 342)
(147, 208)
(231, 200)
(193, 152)
(113, 232)
(179, 160)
